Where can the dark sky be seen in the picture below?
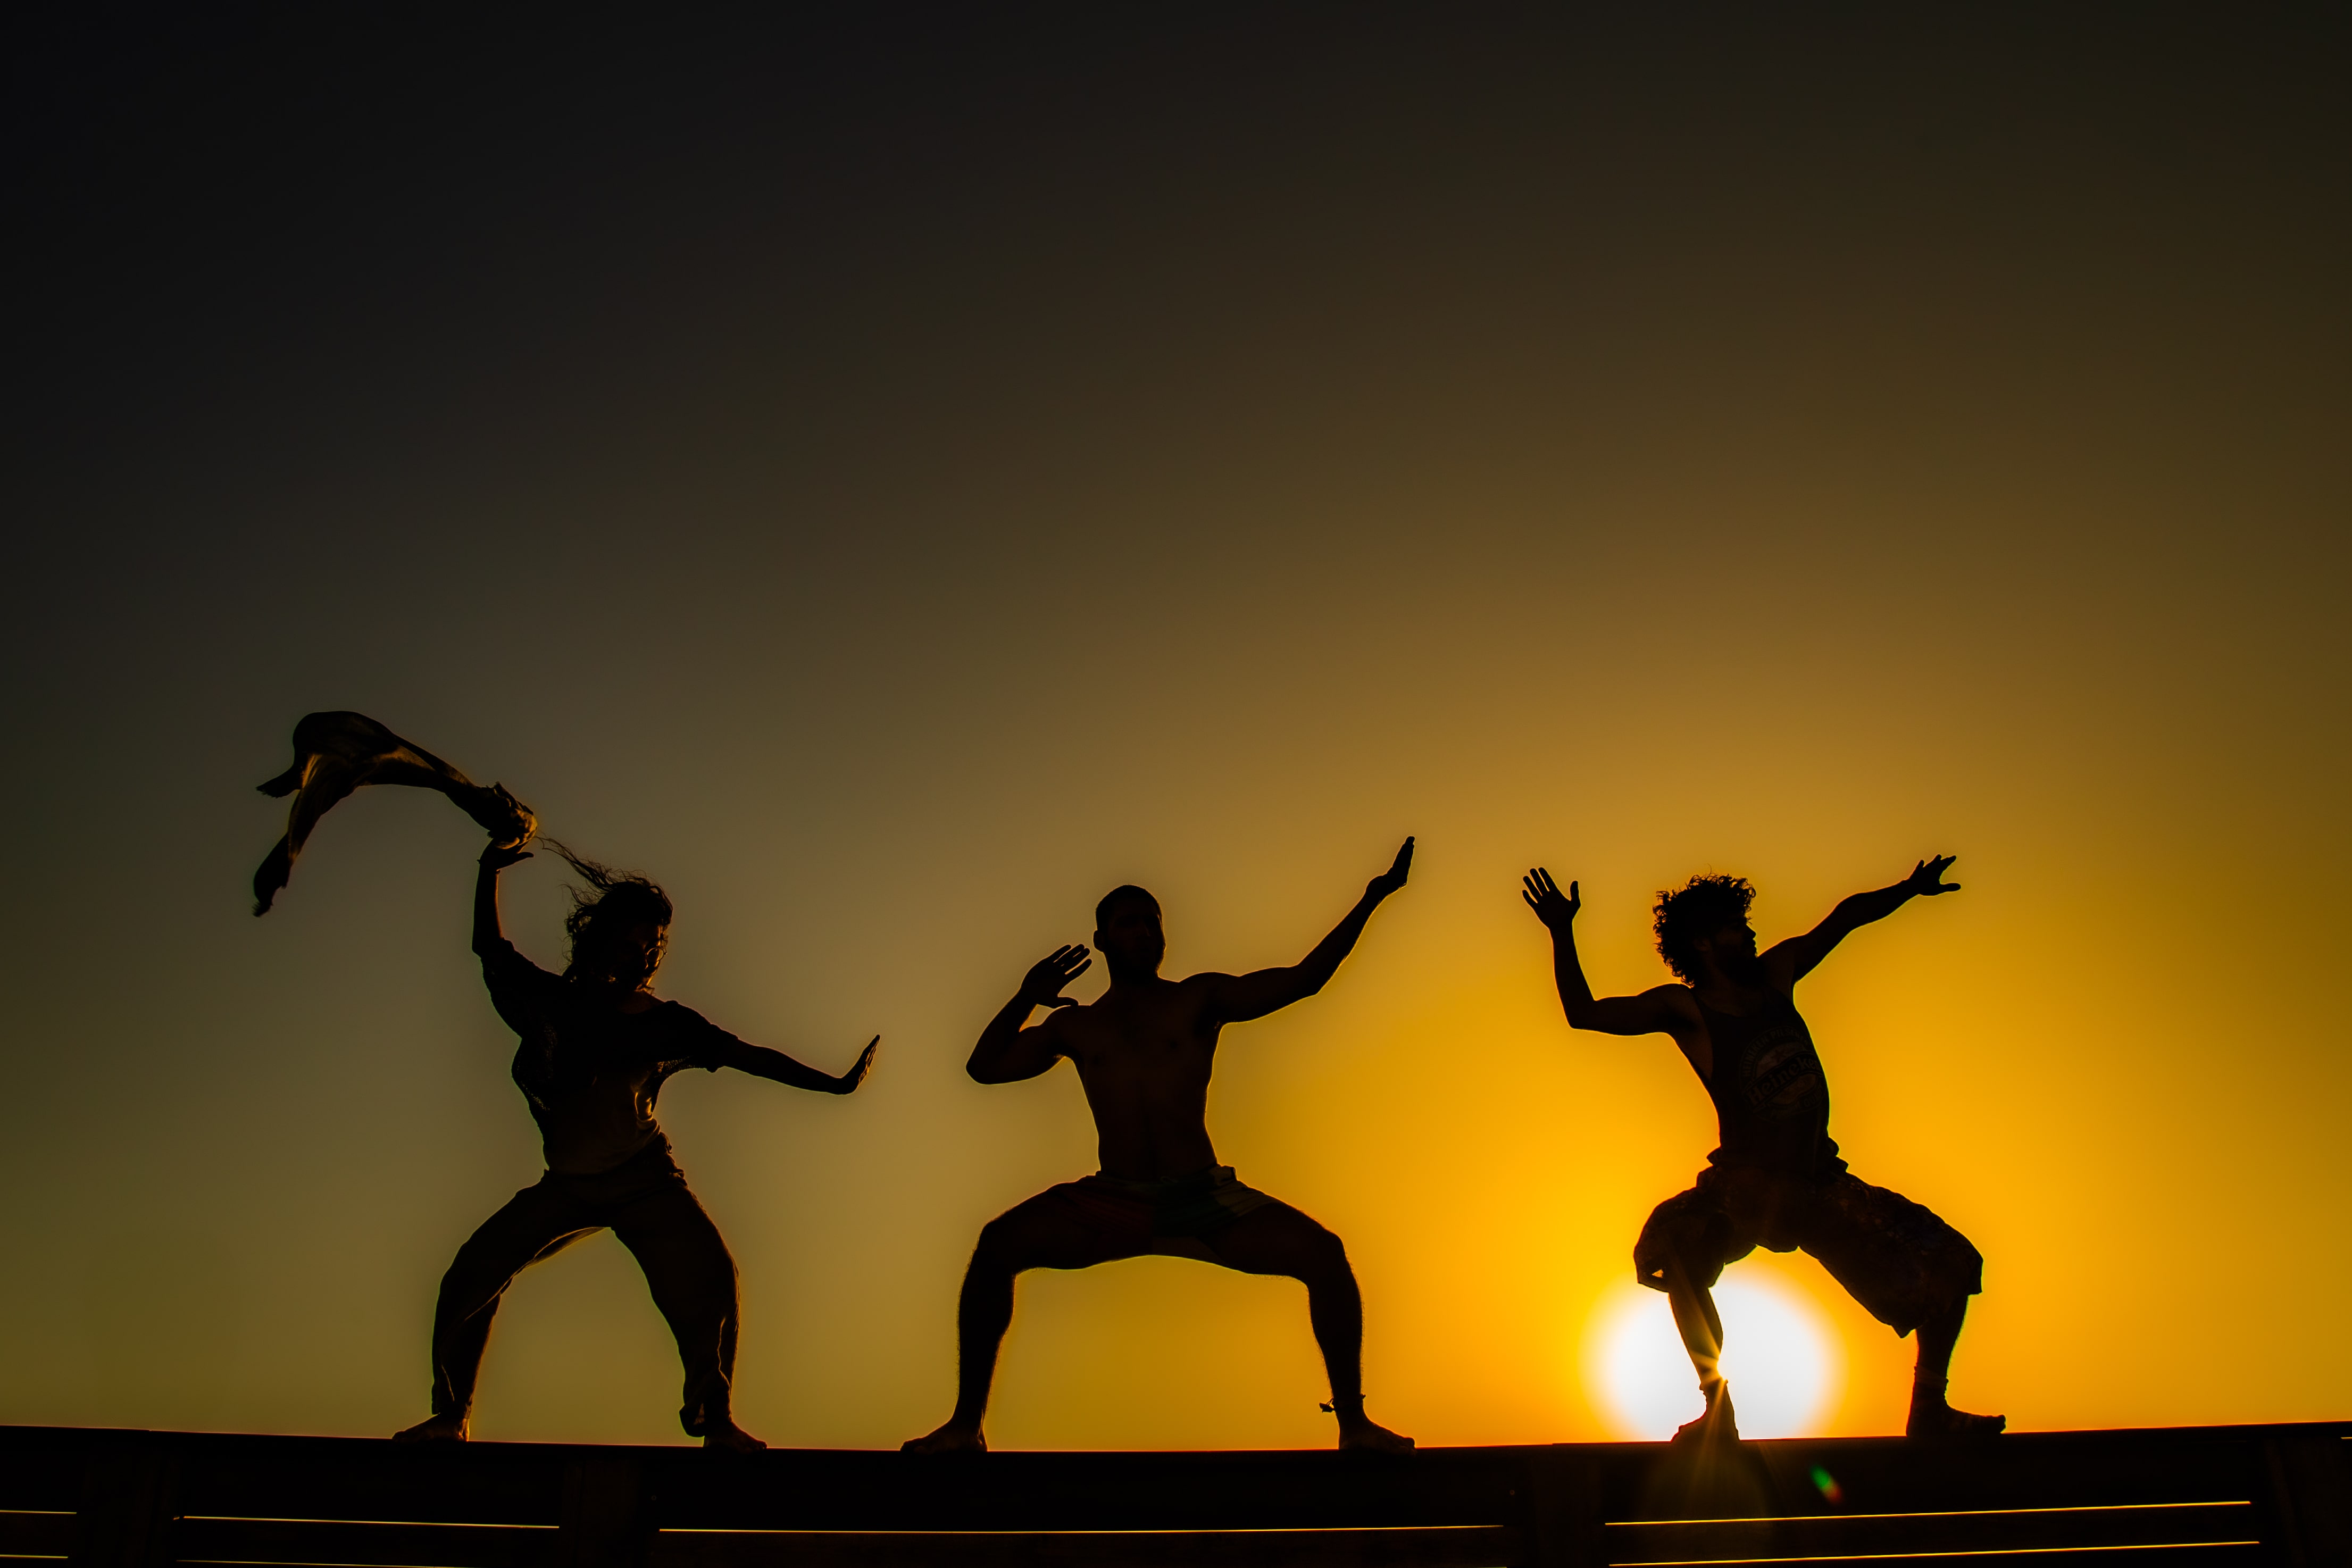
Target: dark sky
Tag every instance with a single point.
(895, 472)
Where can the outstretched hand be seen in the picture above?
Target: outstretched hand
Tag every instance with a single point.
(1926, 879)
(847, 1082)
(1555, 909)
(499, 857)
(1042, 987)
(1390, 881)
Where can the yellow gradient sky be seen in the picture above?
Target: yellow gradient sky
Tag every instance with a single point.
(893, 478)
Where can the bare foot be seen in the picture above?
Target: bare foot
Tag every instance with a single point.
(949, 1439)
(434, 1429)
(722, 1433)
(1716, 1423)
(1360, 1431)
(1933, 1418)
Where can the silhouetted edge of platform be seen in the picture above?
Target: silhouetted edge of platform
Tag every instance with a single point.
(110, 1498)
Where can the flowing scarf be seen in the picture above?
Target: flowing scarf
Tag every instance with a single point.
(335, 754)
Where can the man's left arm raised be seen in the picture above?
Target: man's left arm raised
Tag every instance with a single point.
(1237, 999)
(1799, 955)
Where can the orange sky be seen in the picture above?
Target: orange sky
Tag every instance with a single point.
(892, 484)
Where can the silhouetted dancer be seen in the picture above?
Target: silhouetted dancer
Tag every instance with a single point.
(596, 1047)
(335, 754)
(1143, 1052)
(1777, 1180)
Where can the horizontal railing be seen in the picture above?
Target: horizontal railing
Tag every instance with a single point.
(2186, 1497)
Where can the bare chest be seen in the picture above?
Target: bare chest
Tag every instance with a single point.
(1158, 1045)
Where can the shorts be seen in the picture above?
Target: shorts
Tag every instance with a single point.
(1894, 1256)
(1136, 1212)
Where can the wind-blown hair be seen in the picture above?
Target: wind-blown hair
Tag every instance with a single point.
(613, 900)
(1120, 895)
(1699, 907)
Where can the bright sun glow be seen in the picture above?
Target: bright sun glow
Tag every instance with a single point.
(1780, 1357)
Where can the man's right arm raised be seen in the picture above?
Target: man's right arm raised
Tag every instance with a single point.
(1653, 1011)
(1007, 1053)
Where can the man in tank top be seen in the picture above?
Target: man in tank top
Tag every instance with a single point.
(1776, 1179)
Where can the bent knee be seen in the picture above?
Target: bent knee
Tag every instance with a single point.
(1001, 1246)
(487, 1267)
(1321, 1254)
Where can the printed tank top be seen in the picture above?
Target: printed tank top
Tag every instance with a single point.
(1771, 1102)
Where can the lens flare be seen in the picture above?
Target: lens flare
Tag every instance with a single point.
(1779, 1356)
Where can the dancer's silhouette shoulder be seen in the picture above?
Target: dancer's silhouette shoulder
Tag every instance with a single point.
(594, 1047)
(1775, 1179)
(1144, 1051)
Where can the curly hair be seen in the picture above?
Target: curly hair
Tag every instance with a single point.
(1699, 907)
(612, 900)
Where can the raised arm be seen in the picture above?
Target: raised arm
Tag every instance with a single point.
(1660, 1011)
(1797, 956)
(761, 1061)
(488, 939)
(1237, 999)
(1007, 1052)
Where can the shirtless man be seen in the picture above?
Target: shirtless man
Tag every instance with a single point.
(595, 1044)
(1143, 1052)
(1777, 1180)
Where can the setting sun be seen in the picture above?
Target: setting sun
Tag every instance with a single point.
(1780, 1358)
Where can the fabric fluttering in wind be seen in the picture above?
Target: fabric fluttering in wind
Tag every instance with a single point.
(335, 754)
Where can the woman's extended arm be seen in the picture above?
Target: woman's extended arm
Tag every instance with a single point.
(487, 938)
(761, 1061)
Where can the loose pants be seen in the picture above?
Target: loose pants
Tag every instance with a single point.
(643, 1201)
